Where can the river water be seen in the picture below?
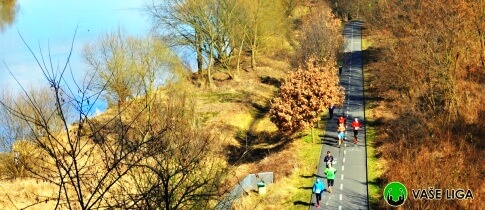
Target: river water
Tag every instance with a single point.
(51, 24)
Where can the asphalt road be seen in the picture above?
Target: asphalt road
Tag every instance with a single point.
(350, 188)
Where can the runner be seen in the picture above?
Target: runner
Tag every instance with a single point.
(330, 172)
(328, 159)
(341, 120)
(330, 111)
(318, 189)
(341, 133)
(356, 127)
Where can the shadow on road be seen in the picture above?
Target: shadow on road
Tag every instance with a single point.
(311, 176)
(302, 203)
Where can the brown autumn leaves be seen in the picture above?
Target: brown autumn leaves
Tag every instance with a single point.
(304, 95)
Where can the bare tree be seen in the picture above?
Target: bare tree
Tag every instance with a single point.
(11, 128)
(183, 167)
(16, 133)
(216, 29)
(100, 162)
(128, 67)
(267, 26)
(113, 64)
(320, 37)
(202, 26)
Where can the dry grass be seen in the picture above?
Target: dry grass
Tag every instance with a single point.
(37, 193)
(449, 166)
(21, 193)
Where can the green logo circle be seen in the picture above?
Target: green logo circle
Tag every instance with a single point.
(395, 193)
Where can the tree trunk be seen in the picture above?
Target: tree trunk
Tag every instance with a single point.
(253, 49)
(238, 65)
(199, 51)
(253, 58)
(209, 66)
(313, 134)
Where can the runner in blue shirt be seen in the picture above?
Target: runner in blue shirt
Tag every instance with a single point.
(318, 189)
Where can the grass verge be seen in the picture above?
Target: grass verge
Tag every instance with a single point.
(373, 167)
(374, 164)
(309, 155)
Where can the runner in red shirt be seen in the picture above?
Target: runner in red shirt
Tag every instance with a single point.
(342, 120)
(356, 127)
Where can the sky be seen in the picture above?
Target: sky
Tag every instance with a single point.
(51, 24)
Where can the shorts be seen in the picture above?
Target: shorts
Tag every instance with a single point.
(330, 182)
(341, 135)
(356, 132)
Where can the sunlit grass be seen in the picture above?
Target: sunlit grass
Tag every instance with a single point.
(373, 168)
(241, 121)
(18, 194)
(374, 165)
(366, 43)
(309, 154)
(225, 96)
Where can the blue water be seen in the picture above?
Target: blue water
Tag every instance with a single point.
(51, 24)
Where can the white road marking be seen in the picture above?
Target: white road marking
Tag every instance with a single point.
(345, 151)
(342, 177)
(339, 207)
(343, 160)
(342, 168)
(341, 186)
(340, 196)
